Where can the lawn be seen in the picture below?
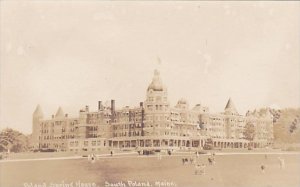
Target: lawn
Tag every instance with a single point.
(230, 170)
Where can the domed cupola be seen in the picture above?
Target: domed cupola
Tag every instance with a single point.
(182, 103)
(156, 84)
(157, 95)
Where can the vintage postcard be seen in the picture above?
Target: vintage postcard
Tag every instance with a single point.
(149, 93)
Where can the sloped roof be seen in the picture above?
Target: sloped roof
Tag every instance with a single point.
(59, 113)
(38, 112)
(230, 107)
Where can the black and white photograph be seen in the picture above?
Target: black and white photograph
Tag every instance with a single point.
(149, 93)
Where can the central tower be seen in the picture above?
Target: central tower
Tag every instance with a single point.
(157, 107)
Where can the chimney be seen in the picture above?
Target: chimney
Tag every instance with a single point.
(112, 106)
(86, 108)
(141, 104)
(99, 105)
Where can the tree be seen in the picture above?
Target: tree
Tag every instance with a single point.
(12, 140)
(286, 128)
(249, 131)
(294, 125)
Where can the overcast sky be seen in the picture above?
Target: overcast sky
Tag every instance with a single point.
(74, 53)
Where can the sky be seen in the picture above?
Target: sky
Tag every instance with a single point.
(75, 53)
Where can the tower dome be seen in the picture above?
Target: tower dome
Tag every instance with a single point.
(182, 101)
(156, 84)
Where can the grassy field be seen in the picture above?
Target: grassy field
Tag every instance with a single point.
(230, 170)
(31, 155)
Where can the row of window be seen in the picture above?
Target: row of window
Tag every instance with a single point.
(122, 134)
(58, 123)
(56, 137)
(92, 149)
(127, 126)
(45, 131)
(157, 99)
(157, 107)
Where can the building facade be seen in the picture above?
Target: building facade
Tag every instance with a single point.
(154, 124)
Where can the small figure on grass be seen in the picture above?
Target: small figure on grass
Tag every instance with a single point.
(199, 169)
(191, 160)
(93, 158)
(210, 160)
(185, 161)
(281, 163)
(197, 154)
(159, 156)
(263, 168)
(213, 158)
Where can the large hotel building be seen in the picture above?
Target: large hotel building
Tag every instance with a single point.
(154, 124)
